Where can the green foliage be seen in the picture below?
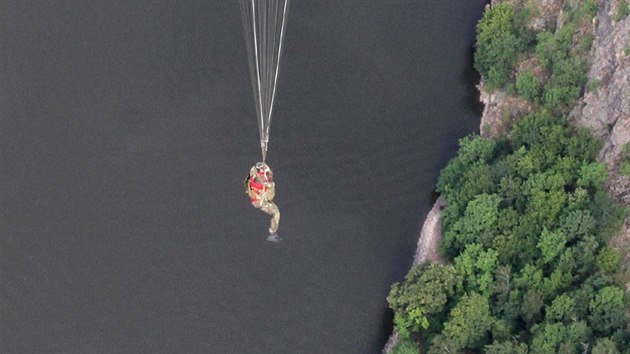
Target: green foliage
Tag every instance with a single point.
(579, 11)
(469, 322)
(605, 346)
(478, 222)
(554, 47)
(565, 85)
(623, 10)
(528, 86)
(531, 306)
(607, 310)
(609, 216)
(585, 45)
(592, 175)
(498, 44)
(555, 337)
(551, 244)
(420, 300)
(590, 8)
(406, 346)
(594, 84)
(561, 309)
(563, 56)
(476, 267)
(507, 347)
(547, 338)
(525, 226)
(608, 259)
(624, 165)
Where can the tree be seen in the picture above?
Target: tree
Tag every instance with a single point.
(560, 309)
(507, 347)
(592, 175)
(528, 86)
(547, 338)
(577, 224)
(497, 45)
(406, 346)
(605, 346)
(422, 296)
(469, 322)
(531, 306)
(478, 224)
(551, 244)
(475, 267)
(607, 310)
(608, 259)
(577, 338)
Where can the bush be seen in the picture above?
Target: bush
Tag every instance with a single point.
(528, 86)
(565, 85)
(406, 346)
(593, 85)
(624, 164)
(623, 10)
(605, 346)
(498, 45)
(421, 299)
(608, 260)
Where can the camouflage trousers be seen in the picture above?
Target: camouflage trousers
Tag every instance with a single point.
(272, 209)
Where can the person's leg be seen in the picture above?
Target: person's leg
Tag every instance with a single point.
(272, 209)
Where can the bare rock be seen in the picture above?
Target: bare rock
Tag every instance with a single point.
(606, 110)
(500, 109)
(546, 15)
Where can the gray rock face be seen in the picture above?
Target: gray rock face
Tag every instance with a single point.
(606, 110)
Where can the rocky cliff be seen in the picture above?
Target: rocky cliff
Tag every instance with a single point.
(605, 107)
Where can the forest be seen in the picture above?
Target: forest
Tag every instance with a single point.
(526, 263)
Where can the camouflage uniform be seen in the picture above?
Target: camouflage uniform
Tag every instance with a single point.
(261, 189)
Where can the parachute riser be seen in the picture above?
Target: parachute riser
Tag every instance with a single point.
(263, 149)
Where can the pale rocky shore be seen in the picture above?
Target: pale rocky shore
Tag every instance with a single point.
(427, 250)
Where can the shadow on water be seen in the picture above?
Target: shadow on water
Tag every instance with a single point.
(471, 78)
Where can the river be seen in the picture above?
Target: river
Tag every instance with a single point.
(127, 127)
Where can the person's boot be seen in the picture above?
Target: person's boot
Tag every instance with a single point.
(273, 237)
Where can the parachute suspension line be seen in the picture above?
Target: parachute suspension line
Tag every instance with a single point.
(256, 56)
(275, 79)
(264, 22)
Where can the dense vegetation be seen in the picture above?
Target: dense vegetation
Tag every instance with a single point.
(525, 229)
(504, 39)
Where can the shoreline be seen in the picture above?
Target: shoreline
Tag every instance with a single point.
(427, 249)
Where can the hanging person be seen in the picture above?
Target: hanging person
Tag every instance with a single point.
(261, 189)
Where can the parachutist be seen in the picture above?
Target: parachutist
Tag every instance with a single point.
(261, 189)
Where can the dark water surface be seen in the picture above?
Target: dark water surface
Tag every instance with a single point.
(126, 128)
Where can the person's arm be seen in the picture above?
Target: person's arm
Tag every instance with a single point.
(246, 184)
(271, 190)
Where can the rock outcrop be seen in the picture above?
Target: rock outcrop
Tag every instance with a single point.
(606, 109)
